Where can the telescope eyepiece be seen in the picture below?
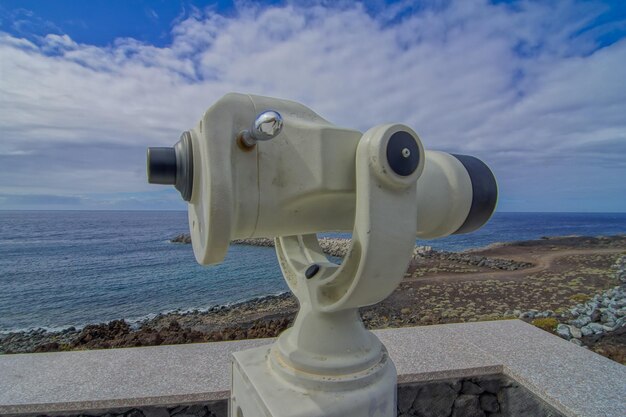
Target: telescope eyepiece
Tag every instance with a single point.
(173, 166)
(162, 165)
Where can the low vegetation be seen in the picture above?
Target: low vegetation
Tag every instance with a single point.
(548, 324)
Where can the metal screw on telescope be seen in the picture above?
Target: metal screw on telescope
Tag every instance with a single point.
(311, 271)
(267, 125)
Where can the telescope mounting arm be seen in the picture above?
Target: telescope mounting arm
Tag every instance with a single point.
(373, 267)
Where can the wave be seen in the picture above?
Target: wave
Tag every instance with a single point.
(136, 322)
(42, 329)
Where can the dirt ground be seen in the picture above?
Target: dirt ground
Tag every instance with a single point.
(561, 276)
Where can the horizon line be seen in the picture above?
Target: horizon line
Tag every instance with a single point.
(184, 210)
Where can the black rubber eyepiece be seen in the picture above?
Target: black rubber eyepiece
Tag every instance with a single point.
(162, 166)
(173, 166)
(484, 193)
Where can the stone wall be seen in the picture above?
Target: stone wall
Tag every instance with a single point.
(485, 396)
(209, 409)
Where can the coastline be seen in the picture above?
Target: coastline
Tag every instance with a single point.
(496, 282)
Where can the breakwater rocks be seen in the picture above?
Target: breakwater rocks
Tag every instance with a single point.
(339, 247)
(181, 238)
(258, 241)
(330, 246)
(255, 241)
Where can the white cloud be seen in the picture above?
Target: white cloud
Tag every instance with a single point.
(520, 86)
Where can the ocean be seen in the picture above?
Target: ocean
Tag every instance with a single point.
(71, 268)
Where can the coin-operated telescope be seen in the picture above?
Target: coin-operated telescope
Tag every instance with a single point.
(264, 167)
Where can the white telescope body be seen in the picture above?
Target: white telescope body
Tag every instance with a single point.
(303, 180)
(263, 167)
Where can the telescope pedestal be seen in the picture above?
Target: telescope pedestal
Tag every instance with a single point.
(328, 364)
(259, 391)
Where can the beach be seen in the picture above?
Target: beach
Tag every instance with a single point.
(530, 280)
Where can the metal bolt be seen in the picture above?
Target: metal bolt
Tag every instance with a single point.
(311, 271)
(406, 152)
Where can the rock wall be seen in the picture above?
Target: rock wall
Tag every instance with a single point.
(603, 313)
(485, 396)
(209, 409)
(473, 260)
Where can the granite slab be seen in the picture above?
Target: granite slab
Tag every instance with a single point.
(574, 380)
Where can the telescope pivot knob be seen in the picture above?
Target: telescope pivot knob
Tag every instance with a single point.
(267, 125)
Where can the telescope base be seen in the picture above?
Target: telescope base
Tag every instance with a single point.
(258, 391)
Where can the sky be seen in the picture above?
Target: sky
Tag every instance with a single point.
(537, 90)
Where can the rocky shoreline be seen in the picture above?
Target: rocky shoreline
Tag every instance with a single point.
(164, 328)
(561, 279)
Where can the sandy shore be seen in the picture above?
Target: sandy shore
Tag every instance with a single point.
(439, 287)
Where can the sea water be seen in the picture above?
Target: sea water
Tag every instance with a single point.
(71, 268)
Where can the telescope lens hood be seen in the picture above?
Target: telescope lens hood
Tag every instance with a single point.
(173, 166)
(484, 193)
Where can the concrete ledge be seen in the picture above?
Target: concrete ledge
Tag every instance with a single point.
(573, 380)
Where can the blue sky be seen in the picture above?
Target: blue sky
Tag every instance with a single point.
(535, 89)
